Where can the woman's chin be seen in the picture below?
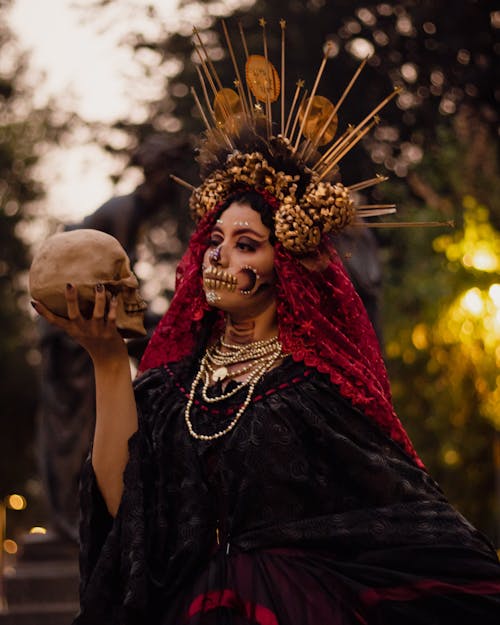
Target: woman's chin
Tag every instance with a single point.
(239, 304)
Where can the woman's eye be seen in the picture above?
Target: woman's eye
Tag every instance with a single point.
(245, 246)
(214, 242)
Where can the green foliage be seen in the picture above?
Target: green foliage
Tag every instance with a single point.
(444, 371)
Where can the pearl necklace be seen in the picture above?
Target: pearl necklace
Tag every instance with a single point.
(214, 367)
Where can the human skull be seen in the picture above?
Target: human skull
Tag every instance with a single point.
(85, 258)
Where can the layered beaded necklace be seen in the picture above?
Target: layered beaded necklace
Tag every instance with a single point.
(217, 365)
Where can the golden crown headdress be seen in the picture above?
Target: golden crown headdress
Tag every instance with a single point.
(240, 148)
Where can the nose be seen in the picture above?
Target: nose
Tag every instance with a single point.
(215, 256)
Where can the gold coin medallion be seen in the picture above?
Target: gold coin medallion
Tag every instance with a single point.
(319, 113)
(262, 78)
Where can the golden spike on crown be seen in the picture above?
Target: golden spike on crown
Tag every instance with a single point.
(239, 85)
(299, 85)
(405, 224)
(313, 92)
(364, 184)
(200, 108)
(207, 57)
(268, 78)
(182, 182)
(297, 116)
(283, 29)
(346, 146)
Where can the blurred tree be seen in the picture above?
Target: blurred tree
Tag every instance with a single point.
(25, 132)
(442, 312)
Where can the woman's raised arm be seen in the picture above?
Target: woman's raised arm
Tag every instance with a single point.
(116, 412)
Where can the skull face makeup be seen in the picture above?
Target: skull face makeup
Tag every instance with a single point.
(238, 269)
(85, 258)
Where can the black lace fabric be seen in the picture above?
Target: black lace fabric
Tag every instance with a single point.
(306, 513)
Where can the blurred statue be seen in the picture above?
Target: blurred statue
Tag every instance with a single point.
(358, 248)
(66, 405)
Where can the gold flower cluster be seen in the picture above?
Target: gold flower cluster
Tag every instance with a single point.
(299, 222)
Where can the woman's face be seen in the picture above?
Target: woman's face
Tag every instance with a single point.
(238, 266)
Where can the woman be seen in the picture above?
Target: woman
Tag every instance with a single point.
(256, 473)
(296, 507)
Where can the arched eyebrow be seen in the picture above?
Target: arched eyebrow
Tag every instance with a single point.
(240, 231)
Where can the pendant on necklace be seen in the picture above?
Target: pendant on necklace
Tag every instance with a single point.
(219, 374)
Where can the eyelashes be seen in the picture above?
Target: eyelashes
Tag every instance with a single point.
(246, 246)
(242, 245)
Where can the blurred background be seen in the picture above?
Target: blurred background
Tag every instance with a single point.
(95, 111)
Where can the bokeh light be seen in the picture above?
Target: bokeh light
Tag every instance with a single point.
(16, 502)
(10, 546)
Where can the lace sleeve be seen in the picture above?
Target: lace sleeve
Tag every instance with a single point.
(112, 561)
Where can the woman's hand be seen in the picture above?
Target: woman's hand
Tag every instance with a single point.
(98, 335)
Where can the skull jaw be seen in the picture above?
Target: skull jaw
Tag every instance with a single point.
(130, 326)
(130, 314)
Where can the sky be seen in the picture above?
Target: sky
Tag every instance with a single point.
(76, 58)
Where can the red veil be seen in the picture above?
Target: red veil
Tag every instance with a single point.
(321, 321)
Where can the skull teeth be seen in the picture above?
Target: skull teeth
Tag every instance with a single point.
(218, 278)
(134, 309)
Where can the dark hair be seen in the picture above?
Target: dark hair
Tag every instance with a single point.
(257, 203)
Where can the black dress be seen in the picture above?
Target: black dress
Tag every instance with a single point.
(304, 514)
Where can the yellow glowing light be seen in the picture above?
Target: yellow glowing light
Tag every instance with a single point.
(477, 246)
(419, 336)
(10, 546)
(393, 349)
(494, 293)
(409, 356)
(38, 530)
(16, 502)
(484, 260)
(466, 260)
(473, 302)
(451, 457)
(467, 327)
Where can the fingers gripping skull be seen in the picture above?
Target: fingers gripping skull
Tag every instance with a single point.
(85, 258)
